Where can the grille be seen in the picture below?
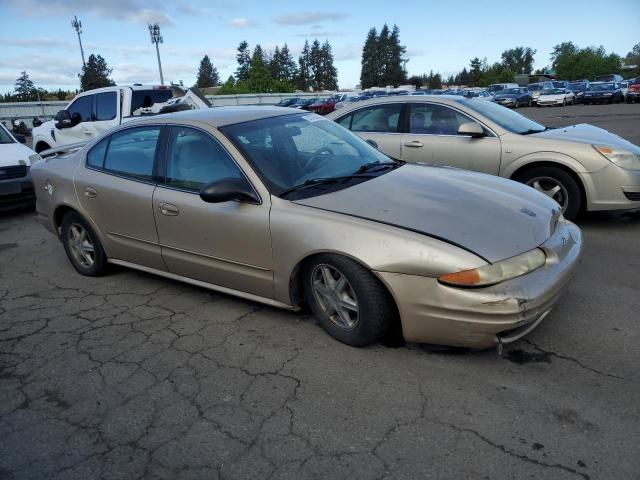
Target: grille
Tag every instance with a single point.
(17, 171)
(633, 196)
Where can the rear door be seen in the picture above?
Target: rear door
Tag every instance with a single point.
(106, 112)
(115, 188)
(380, 123)
(433, 138)
(226, 244)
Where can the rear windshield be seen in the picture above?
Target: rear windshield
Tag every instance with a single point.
(147, 98)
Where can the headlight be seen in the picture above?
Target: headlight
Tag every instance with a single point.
(622, 158)
(497, 272)
(34, 158)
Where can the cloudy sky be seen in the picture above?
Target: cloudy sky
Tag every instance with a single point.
(36, 35)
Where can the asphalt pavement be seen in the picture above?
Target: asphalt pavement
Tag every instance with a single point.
(131, 376)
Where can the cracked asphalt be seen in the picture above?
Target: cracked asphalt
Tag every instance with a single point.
(131, 376)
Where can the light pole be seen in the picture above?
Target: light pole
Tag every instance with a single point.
(77, 24)
(154, 31)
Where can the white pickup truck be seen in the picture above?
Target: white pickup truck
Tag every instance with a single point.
(92, 113)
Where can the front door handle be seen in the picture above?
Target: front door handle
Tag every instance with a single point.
(168, 209)
(414, 144)
(90, 192)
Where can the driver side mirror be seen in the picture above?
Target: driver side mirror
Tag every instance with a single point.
(227, 190)
(63, 119)
(471, 129)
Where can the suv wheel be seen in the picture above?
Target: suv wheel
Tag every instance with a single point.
(348, 300)
(558, 185)
(82, 246)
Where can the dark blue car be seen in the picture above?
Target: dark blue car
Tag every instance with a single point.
(513, 97)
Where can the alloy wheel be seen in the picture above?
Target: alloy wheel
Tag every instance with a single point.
(81, 245)
(551, 188)
(335, 296)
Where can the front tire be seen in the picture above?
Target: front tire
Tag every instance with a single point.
(348, 300)
(558, 185)
(82, 245)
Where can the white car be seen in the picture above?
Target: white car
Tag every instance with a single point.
(556, 97)
(16, 188)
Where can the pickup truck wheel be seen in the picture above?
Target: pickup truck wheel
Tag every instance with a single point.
(348, 300)
(41, 147)
(558, 185)
(83, 246)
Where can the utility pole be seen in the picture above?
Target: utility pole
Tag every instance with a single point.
(77, 25)
(156, 38)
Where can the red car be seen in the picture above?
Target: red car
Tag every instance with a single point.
(323, 106)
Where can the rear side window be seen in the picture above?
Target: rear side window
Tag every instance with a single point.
(196, 159)
(81, 109)
(378, 118)
(131, 152)
(106, 106)
(95, 157)
(143, 100)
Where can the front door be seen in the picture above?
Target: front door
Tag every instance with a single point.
(107, 112)
(81, 113)
(115, 187)
(226, 244)
(433, 138)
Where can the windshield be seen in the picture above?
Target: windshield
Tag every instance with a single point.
(576, 86)
(288, 150)
(601, 86)
(503, 116)
(510, 91)
(534, 87)
(4, 136)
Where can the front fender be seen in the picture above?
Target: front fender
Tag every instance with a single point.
(542, 157)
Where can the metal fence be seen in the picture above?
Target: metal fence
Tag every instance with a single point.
(46, 110)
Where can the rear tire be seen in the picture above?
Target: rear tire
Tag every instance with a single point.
(545, 179)
(350, 303)
(83, 247)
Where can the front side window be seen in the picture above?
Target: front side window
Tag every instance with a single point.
(195, 159)
(81, 109)
(430, 119)
(106, 106)
(4, 136)
(95, 157)
(378, 118)
(131, 152)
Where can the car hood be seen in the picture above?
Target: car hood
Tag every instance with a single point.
(555, 96)
(585, 133)
(12, 153)
(490, 216)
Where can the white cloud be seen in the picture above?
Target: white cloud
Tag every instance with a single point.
(307, 18)
(239, 23)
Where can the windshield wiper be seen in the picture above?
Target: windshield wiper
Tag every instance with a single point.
(376, 166)
(533, 130)
(312, 182)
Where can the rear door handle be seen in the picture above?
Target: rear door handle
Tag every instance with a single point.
(168, 209)
(414, 144)
(90, 192)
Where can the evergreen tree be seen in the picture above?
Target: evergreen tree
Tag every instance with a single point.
(259, 79)
(330, 74)
(519, 59)
(24, 88)
(275, 65)
(476, 71)
(370, 71)
(207, 74)
(244, 60)
(304, 70)
(95, 74)
(395, 71)
(383, 54)
(287, 64)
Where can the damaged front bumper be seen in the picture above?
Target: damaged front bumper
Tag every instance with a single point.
(483, 317)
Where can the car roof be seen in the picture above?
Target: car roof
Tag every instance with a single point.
(221, 116)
